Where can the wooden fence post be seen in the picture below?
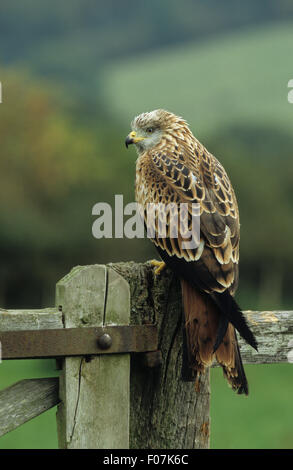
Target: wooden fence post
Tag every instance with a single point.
(94, 392)
(165, 413)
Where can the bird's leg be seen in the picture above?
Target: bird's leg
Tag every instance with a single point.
(160, 266)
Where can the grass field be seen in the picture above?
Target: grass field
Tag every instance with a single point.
(263, 420)
(240, 77)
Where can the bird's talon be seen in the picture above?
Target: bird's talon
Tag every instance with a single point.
(160, 266)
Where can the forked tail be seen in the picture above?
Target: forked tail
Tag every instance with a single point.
(203, 321)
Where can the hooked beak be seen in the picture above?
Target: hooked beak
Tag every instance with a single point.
(132, 139)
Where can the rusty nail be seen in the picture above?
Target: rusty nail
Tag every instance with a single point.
(105, 341)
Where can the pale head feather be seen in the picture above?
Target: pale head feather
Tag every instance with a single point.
(158, 118)
(163, 124)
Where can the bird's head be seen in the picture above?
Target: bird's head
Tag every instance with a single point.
(148, 129)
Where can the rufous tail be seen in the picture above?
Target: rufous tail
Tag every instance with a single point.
(203, 318)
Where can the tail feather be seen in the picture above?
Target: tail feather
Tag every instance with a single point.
(198, 325)
(205, 329)
(222, 328)
(228, 356)
(229, 308)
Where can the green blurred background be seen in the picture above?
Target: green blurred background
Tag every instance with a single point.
(73, 76)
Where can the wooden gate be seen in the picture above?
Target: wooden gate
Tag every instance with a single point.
(120, 360)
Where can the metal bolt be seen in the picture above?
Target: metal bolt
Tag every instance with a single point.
(105, 341)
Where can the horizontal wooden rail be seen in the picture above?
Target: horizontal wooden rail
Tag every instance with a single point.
(25, 400)
(274, 333)
(30, 319)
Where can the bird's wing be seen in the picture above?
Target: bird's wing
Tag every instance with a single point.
(216, 258)
(213, 266)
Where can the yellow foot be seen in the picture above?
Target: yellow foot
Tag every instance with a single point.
(160, 266)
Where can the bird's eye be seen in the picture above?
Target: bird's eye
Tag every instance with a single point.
(150, 130)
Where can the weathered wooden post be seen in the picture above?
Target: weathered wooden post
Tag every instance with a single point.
(94, 411)
(165, 413)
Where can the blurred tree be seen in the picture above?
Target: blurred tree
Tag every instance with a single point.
(56, 163)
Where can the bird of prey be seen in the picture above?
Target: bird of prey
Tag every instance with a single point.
(174, 167)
